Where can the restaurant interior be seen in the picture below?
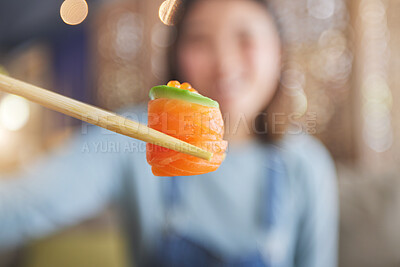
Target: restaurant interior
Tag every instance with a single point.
(341, 59)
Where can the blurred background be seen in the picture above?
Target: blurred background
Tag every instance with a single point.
(340, 68)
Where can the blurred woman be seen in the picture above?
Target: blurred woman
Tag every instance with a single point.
(273, 202)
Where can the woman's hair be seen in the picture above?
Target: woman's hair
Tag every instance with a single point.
(271, 124)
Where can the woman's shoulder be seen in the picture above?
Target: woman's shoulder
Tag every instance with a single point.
(306, 154)
(311, 171)
(304, 146)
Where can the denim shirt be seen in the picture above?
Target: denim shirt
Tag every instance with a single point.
(220, 211)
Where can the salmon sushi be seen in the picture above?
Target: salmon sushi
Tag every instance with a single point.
(180, 111)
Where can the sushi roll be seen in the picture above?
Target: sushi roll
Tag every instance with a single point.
(180, 111)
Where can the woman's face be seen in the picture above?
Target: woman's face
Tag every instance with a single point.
(230, 51)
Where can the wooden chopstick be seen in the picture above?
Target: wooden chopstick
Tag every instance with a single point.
(97, 116)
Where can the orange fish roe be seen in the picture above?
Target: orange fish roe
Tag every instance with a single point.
(188, 87)
(185, 86)
(175, 84)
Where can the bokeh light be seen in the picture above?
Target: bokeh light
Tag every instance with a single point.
(293, 80)
(321, 9)
(300, 105)
(120, 38)
(376, 94)
(169, 11)
(14, 112)
(74, 12)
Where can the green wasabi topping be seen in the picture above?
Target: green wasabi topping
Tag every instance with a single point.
(163, 91)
